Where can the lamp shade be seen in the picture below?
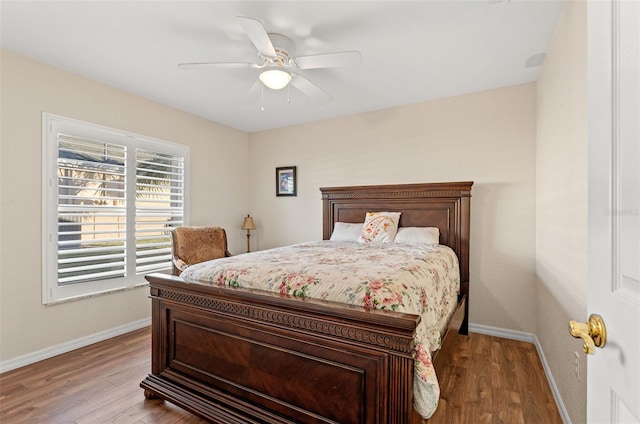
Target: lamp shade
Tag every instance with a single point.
(275, 78)
(248, 223)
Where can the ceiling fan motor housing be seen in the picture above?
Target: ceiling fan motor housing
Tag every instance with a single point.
(284, 47)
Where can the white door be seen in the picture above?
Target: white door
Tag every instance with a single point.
(613, 377)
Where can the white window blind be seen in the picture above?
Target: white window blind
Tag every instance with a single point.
(92, 220)
(159, 205)
(110, 200)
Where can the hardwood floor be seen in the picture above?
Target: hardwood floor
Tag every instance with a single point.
(494, 380)
(489, 380)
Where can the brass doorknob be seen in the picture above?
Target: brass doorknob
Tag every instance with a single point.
(593, 333)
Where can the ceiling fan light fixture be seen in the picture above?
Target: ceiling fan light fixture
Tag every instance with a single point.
(275, 79)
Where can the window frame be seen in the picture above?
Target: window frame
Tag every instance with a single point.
(52, 124)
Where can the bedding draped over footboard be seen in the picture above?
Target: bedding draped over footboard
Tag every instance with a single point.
(418, 279)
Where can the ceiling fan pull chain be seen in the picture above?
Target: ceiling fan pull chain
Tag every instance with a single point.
(288, 94)
(261, 97)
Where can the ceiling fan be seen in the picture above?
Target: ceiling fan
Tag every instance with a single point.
(279, 67)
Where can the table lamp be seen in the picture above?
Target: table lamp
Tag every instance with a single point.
(248, 225)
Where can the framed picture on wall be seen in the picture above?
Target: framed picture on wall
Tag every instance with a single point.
(286, 181)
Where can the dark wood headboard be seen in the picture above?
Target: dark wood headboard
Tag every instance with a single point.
(442, 205)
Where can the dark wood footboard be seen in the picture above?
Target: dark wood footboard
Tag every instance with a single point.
(234, 356)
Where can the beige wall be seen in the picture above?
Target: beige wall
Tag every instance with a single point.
(561, 204)
(487, 137)
(218, 154)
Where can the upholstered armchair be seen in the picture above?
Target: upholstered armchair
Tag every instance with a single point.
(192, 245)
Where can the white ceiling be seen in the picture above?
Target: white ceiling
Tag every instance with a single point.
(412, 50)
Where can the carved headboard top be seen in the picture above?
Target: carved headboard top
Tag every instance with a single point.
(442, 205)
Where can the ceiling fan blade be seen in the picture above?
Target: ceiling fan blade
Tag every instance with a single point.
(329, 60)
(216, 65)
(310, 89)
(258, 35)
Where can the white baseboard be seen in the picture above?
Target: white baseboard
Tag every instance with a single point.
(564, 414)
(530, 338)
(502, 333)
(52, 351)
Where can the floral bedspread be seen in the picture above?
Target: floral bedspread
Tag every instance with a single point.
(418, 279)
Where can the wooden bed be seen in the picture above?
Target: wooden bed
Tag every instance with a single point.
(339, 363)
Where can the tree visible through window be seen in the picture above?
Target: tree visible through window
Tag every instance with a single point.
(115, 198)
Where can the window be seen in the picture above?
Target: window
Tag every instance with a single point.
(110, 200)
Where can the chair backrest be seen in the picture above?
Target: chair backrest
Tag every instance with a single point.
(192, 245)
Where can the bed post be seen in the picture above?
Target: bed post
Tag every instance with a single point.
(465, 223)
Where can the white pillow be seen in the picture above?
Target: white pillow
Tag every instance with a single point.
(414, 235)
(380, 227)
(345, 231)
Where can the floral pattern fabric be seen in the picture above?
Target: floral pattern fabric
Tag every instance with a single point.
(418, 279)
